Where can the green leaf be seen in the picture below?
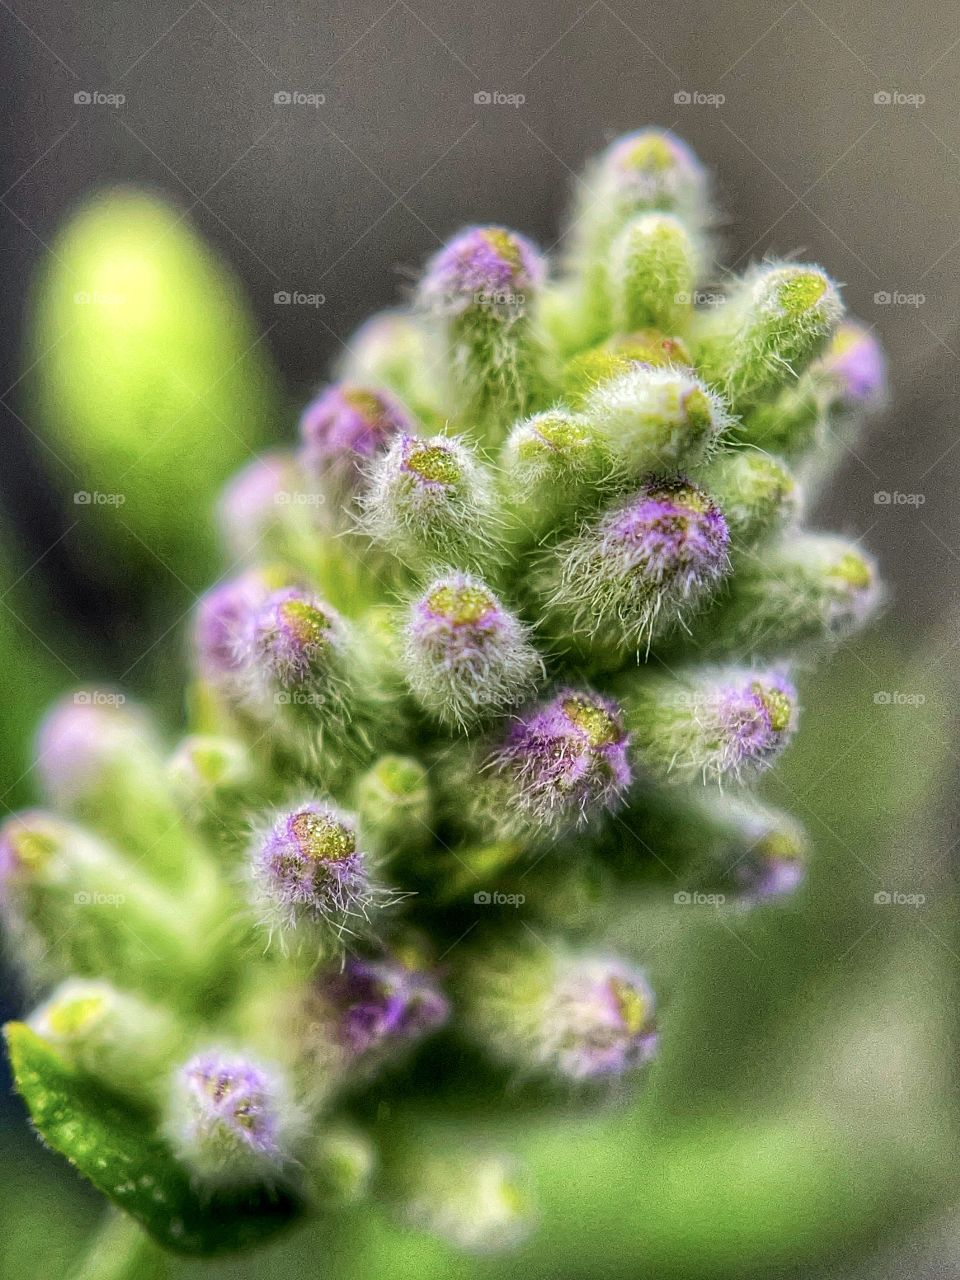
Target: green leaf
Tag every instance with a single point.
(112, 1145)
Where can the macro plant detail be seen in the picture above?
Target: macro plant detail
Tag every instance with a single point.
(528, 600)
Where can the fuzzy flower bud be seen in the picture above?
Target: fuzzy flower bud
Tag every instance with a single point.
(309, 870)
(553, 465)
(343, 429)
(222, 624)
(208, 773)
(475, 1201)
(111, 1035)
(755, 492)
(367, 1013)
(394, 805)
(390, 350)
(562, 763)
(430, 498)
(810, 587)
(775, 849)
(638, 569)
(255, 504)
(466, 656)
(230, 1121)
(714, 724)
(576, 1017)
(855, 367)
(653, 270)
(621, 354)
(482, 287)
(768, 332)
(655, 419)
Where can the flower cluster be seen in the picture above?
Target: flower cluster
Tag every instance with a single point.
(526, 599)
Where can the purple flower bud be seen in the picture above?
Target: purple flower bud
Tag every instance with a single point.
(370, 1009)
(855, 365)
(579, 1017)
(222, 626)
(654, 169)
(229, 1120)
(489, 269)
(343, 429)
(252, 504)
(753, 718)
(639, 568)
(84, 739)
(565, 761)
(465, 655)
(309, 869)
(293, 638)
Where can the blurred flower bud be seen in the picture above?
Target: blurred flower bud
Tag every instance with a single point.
(474, 1201)
(256, 505)
(653, 268)
(394, 805)
(755, 492)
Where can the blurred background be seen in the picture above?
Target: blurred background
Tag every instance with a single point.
(309, 157)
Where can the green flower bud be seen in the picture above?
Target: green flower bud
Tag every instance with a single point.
(341, 1166)
(392, 800)
(653, 268)
(618, 355)
(478, 1202)
(776, 322)
(118, 1038)
(808, 588)
(655, 419)
(755, 492)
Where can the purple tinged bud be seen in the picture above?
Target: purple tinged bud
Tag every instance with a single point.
(565, 762)
(855, 366)
(343, 429)
(222, 626)
(486, 269)
(309, 869)
(640, 567)
(577, 1017)
(294, 636)
(465, 655)
(754, 717)
(252, 504)
(87, 738)
(654, 169)
(230, 1120)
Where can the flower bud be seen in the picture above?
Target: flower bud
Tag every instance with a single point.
(618, 355)
(561, 764)
(341, 1163)
(343, 429)
(211, 778)
(230, 1121)
(309, 870)
(222, 625)
(391, 351)
(808, 588)
(650, 170)
(771, 861)
(637, 570)
(118, 1038)
(575, 1017)
(255, 507)
(482, 287)
(655, 419)
(755, 492)
(554, 465)
(780, 318)
(367, 1013)
(100, 761)
(712, 723)
(430, 499)
(465, 656)
(653, 267)
(72, 905)
(474, 1201)
(854, 367)
(393, 802)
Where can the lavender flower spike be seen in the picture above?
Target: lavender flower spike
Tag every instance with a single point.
(230, 1121)
(585, 1017)
(310, 873)
(481, 288)
(562, 764)
(465, 655)
(639, 568)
